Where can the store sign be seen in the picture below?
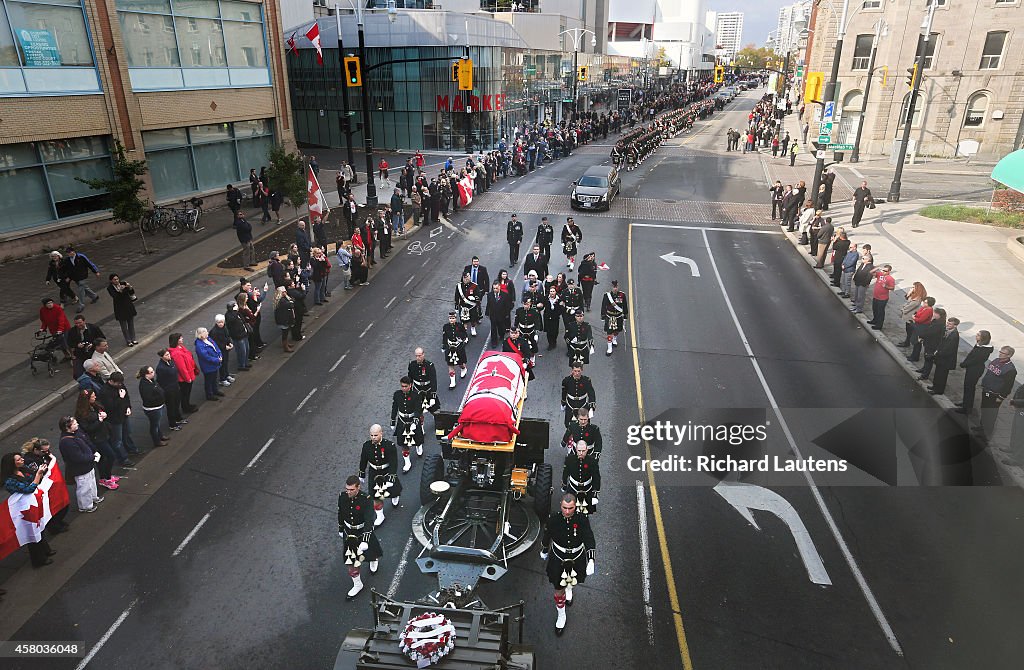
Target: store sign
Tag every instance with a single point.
(39, 47)
(482, 103)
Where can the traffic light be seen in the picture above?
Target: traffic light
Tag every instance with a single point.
(911, 76)
(455, 70)
(814, 83)
(581, 72)
(353, 72)
(719, 74)
(465, 74)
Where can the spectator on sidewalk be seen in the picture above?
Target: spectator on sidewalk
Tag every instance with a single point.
(276, 200)
(91, 417)
(36, 453)
(318, 276)
(105, 365)
(238, 331)
(187, 370)
(784, 144)
(303, 242)
(167, 378)
(275, 270)
(57, 273)
(80, 460)
(122, 294)
(90, 379)
(222, 338)
(314, 166)
(930, 336)
(996, 385)
(18, 479)
(945, 356)
(826, 235)
(234, 199)
(349, 209)
(862, 279)
(840, 245)
(153, 403)
(114, 398)
(319, 231)
(254, 184)
(397, 211)
(861, 198)
(243, 230)
(351, 176)
(263, 200)
(250, 302)
(77, 268)
(973, 366)
(813, 231)
(298, 293)
(284, 316)
(210, 358)
(884, 284)
(53, 320)
(917, 310)
(80, 341)
(777, 194)
(849, 267)
(794, 149)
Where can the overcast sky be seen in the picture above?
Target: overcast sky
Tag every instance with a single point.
(759, 16)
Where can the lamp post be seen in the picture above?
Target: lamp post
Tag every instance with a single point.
(926, 27)
(831, 91)
(881, 29)
(577, 38)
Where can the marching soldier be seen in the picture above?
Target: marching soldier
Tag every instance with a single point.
(583, 429)
(424, 380)
(571, 238)
(569, 548)
(453, 343)
(406, 420)
(577, 395)
(579, 340)
(467, 303)
(514, 236)
(545, 236)
(517, 344)
(581, 476)
(614, 311)
(378, 468)
(530, 322)
(572, 302)
(617, 154)
(355, 528)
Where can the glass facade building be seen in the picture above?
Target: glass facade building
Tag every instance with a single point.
(46, 48)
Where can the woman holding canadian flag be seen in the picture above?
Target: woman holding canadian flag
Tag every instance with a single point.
(33, 501)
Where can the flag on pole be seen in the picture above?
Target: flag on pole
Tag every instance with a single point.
(25, 515)
(314, 195)
(292, 49)
(313, 35)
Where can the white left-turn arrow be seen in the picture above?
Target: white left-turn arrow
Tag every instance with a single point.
(746, 497)
(671, 257)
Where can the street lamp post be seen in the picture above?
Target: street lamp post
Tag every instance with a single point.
(346, 122)
(831, 90)
(926, 26)
(880, 30)
(577, 38)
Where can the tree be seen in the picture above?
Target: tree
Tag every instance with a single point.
(662, 59)
(754, 56)
(123, 190)
(287, 176)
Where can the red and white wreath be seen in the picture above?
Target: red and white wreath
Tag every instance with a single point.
(428, 638)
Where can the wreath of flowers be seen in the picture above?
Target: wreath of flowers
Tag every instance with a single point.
(428, 638)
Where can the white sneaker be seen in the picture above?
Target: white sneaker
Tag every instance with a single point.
(394, 501)
(462, 374)
(419, 449)
(224, 383)
(559, 622)
(373, 567)
(380, 517)
(451, 381)
(357, 586)
(408, 464)
(609, 352)
(231, 378)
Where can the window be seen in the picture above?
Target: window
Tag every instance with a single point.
(862, 51)
(1006, 2)
(47, 48)
(871, 4)
(937, 3)
(918, 104)
(992, 52)
(929, 53)
(977, 105)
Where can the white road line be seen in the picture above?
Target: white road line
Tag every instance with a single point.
(106, 636)
(424, 263)
(409, 280)
(391, 302)
(339, 362)
(366, 330)
(400, 570)
(260, 452)
(857, 172)
(304, 401)
(188, 538)
(645, 559)
(858, 576)
(713, 229)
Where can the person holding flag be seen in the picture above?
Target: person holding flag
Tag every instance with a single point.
(33, 501)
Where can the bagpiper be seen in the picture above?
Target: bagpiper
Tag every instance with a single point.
(581, 476)
(530, 322)
(571, 238)
(614, 311)
(453, 343)
(424, 380)
(467, 303)
(355, 528)
(579, 340)
(378, 468)
(583, 429)
(407, 421)
(569, 549)
(577, 394)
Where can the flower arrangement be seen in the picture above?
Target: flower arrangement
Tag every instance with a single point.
(427, 639)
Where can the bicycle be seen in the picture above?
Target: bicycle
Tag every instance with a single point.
(161, 218)
(189, 215)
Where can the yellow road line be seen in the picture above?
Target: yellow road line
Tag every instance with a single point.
(666, 560)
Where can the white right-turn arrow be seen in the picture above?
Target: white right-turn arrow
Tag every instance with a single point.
(675, 260)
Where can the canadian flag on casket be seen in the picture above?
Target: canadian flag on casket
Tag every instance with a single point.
(25, 515)
(490, 413)
(465, 191)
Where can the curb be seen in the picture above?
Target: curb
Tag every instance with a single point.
(1011, 470)
(1016, 247)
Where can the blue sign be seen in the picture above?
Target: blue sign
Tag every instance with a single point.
(39, 47)
(830, 108)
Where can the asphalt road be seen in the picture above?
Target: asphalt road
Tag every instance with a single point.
(260, 581)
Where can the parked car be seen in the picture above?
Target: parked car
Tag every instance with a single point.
(596, 189)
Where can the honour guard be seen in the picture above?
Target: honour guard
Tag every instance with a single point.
(581, 476)
(614, 311)
(406, 420)
(530, 322)
(378, 468)
(569, 548)
(577, 395)
(571, 238)
(583, 429)
(467, 303)
(514, 236)
(517, 344)
(579, 340)
(424, 380)
(572, 301)
(355, 527)
(545, 236)
(453, 343)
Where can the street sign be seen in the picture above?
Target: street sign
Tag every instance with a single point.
(823, 139)
(830, 110)
(841, 147)
(820, 155)
(624, 99)
(531, 70)
(799, 70)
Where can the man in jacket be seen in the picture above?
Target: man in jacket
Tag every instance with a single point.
(825, 234)
(477, 274)
(79, 462)
(974, 367)
(790, 208)
(77, 267)
(80, 340)
(514, 237)
(884, 284)
(839, 249)
(777, 193)
(349, 209)
(945, 356)
(90, 379)
(536, 261)
(499, 309)
(243, 229)
(116, 401)
(398, 211)
(930, 336)
(545, 236)
(302, 242)
(101, 356)
(861, 198)
(996, 385)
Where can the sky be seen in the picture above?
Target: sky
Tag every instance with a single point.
(759, 16)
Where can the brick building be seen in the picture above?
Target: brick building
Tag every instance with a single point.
(197, 88)
(972, 94)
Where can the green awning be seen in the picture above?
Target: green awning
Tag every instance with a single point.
(1010, 170)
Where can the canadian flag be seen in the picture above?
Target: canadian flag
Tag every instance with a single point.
(313, 35)
(465, 191)
(314, 196)
(28, 513)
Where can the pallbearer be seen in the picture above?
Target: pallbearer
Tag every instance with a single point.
(355, 528)
(614, 311)
(378, 468)
(569, 549)
(453, 343)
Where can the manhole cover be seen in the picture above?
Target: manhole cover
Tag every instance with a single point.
(915, 230)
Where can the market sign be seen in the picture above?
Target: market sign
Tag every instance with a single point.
(39, 47)
(483, 103)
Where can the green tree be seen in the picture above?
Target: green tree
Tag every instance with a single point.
(286, 175)
(755, 56)
(662, 60)
(123, 190)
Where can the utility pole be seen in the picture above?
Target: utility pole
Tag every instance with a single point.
(880, 29)
(371, 185)
(894, 188)
(831, 91)
(346, 120)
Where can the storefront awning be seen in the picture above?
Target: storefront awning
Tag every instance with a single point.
(1010, 170)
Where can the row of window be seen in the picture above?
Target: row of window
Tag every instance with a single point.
(876, 4)
(974, 116)
(991, 51)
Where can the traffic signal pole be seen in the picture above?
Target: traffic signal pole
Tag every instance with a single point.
(831, 93)
(894, 188)
(346, 120)
(371, 185)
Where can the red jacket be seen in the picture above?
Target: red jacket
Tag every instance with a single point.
(53, 320)
(923, 315)
(186, 364)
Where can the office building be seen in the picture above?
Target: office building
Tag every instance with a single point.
(729, 34)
